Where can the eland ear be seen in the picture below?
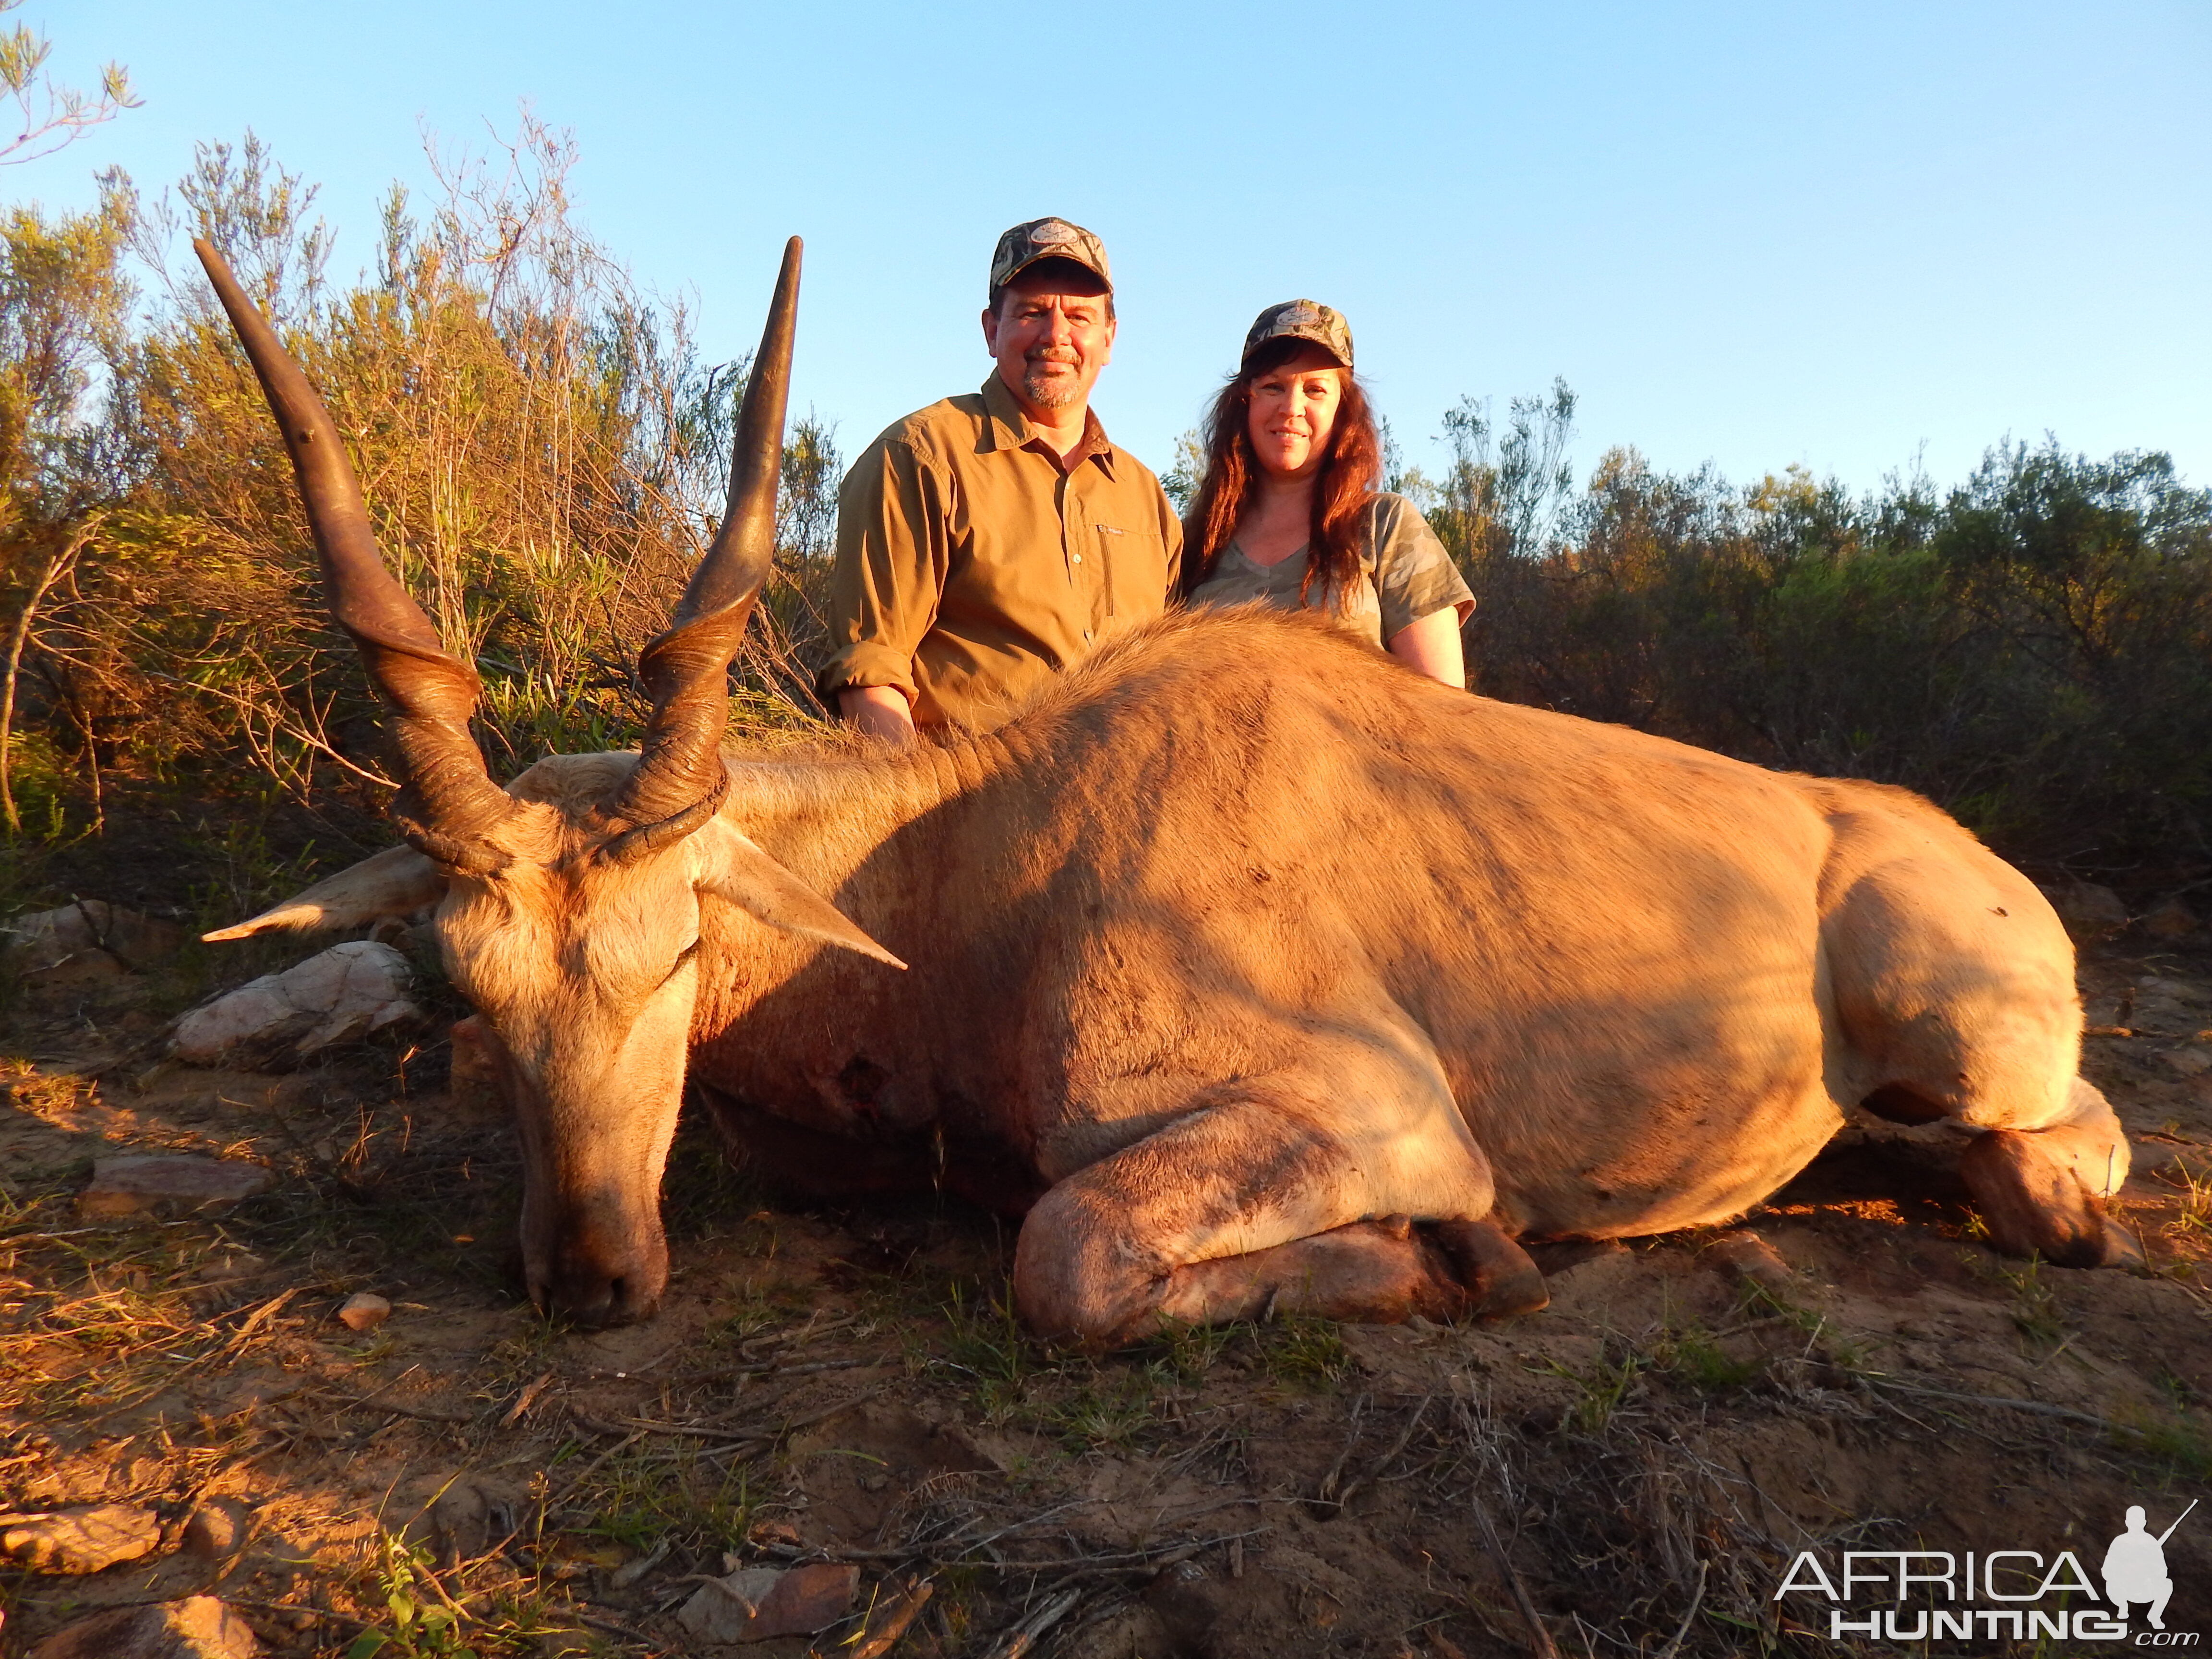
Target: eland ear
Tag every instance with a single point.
(396, 882)
(740, 873)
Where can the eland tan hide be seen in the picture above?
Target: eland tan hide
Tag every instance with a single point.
(1257, 971)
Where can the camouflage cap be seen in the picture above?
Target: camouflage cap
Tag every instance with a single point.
(1047, 239)
(1302, 319)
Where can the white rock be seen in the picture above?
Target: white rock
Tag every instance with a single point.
(169, 1181)
(346, 992)
(724, 1608)
(86, 940)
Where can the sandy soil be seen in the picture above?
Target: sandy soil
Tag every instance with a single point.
(1651, 1453)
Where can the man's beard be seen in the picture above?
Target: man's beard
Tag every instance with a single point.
(1047, 390)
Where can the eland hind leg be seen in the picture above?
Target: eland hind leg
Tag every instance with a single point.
(1953, 983)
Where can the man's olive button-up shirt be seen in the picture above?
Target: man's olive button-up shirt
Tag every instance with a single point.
(974, 563)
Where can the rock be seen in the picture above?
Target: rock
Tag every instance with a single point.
(90, 939)
(2171, 920)
(806, 1599)
(348, 991)
(79, 1541)
(244, 1265)
(169, 1183)
(197, 1627)
(216, 1530)
(471, 1518)
(2090, 912)
(754, 1604)
(363, 1311)
(724, 1609)
(1749, 1256)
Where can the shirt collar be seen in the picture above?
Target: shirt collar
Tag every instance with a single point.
(1009, 429)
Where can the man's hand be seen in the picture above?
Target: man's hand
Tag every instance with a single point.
(881, 711)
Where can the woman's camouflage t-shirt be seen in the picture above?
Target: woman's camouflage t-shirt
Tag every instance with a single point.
(1406, 575)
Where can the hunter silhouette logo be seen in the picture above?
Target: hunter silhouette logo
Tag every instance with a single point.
(2135, 1567)
(2020, 1595)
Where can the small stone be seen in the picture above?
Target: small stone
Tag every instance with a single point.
(2192, 1061)
(79, 1541)
(2089, 911)
(774, 1535)
(470, 1518)
(724, 1609)
(244, 1265)
(168, 1182)
(1750, 1257)
(197, 1627)
(216, 1529)
(363, 1311)
(2171, 920)
(91, 939)
(806, 1599)
(346, 992)
(755, 1604)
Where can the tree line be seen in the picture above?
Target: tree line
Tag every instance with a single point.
(542, 448)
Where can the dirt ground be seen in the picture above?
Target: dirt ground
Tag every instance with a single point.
(1651, 1454)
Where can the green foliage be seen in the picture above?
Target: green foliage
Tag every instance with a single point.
(2032, 650)
(1694, 1355)
(1599, 1389)
(543, 453)
(1303, 1350)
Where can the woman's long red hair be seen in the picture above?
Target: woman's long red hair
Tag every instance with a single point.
(1341, 493)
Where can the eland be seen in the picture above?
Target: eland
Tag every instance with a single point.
(1254, 971)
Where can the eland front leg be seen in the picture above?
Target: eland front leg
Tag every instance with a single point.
(1247, 1206)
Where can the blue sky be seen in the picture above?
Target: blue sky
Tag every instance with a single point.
(1823, 233)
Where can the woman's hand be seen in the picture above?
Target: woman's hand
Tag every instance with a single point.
(1430, 647)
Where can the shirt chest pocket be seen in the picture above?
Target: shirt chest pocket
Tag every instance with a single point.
(1133, 574)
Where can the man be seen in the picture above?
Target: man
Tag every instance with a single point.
(986, 543)
(2135, 1567)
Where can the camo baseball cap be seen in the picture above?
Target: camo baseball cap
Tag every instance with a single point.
(1302, 319)
(1047, 239)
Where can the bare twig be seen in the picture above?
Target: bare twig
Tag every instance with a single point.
(57, 567)
(1697, 1600)
(2035, 1407)
(1022, 1636)
(1397, 1446)
(884, 1622)
(1325, 1492)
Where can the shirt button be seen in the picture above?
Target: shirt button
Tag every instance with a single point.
(1078, 557)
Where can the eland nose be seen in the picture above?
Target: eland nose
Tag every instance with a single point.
(597, 1292)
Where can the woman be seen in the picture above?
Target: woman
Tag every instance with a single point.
(1288, 513)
